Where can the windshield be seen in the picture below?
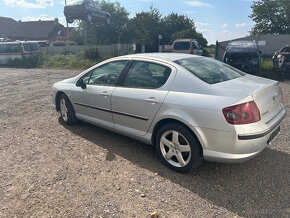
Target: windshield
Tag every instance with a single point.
(209, 70)
(181, 45)
(30, 46)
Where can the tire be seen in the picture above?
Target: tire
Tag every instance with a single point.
(67, 112)
(89, 18)
(178, 148)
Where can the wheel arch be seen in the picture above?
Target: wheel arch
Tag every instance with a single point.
(57, 96)
(165, 121)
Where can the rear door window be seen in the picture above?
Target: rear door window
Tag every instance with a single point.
(181, 46)
(146, 75)
(10, 48)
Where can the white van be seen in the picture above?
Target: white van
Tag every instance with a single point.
(188, 46)
(17, 50)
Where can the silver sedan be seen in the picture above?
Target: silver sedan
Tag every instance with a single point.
(190, 107)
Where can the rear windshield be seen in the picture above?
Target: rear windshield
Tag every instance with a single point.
(210, 70)
(242, 48)
(181, 46)
(30, 46)
(10, 48)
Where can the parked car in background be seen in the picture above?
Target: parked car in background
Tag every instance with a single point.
(187, 46)
(281, 58)
(10, 51)
(243, 55)
(190, 107)
(88, 10)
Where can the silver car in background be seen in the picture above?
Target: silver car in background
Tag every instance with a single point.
(190, 107)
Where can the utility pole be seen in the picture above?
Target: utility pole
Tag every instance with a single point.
(67, 33)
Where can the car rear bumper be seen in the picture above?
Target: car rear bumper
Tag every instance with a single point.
(229, 147)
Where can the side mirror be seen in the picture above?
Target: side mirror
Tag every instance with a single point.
(81, 83)
(260, 52)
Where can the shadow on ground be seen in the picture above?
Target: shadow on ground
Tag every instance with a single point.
(258, 187)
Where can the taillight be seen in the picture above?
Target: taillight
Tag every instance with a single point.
(171, 49)
(242, 113)
(191, 51)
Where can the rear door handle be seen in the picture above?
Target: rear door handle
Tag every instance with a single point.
(152, 100)
(105, 94)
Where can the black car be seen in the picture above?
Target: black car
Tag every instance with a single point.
(281, 58)
(243, 55)
(88, 10)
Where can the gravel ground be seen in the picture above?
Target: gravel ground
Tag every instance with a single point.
(51, 170)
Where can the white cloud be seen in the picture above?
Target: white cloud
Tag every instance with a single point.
(147, 1)
(188, 12)
(241, 24)
(225, 25)
(201, 24)
(25, 4)
(45, 2)
(41, 17)
(204, 30)
(197, 4)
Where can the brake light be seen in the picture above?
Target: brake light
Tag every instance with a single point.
(191, 51)
(242, 113)
(21, 50)
(171, 49)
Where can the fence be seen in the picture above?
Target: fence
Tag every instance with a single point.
(104, 50)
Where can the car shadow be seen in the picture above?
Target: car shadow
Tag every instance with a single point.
(258, 187)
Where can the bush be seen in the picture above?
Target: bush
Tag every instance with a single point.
(27, 62)
(91, 54)
(67, 62)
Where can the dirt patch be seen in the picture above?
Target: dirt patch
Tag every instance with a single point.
(48, 169)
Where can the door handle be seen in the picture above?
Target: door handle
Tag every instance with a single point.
(105, 94)
(152, 100)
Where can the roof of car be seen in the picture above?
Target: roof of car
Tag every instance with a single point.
(162, 56)
(243, 43)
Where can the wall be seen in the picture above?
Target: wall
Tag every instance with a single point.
(105, 50)
(268, 44)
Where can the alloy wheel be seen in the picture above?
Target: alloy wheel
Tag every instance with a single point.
(175, 148)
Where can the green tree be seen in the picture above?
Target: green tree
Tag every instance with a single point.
(271, 17)
(145, 28)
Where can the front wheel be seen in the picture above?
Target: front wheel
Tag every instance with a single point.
(178, 148)
(66, 110)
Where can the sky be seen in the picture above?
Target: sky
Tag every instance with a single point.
(216, 19)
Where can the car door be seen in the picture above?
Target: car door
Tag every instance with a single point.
(92, 93)
(136, 102)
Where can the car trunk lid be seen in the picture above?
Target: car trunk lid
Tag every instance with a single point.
(265, 92)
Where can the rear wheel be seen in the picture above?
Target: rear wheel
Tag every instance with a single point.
(178, 148)
(66, 110)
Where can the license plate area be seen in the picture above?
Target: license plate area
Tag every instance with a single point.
(273, 135)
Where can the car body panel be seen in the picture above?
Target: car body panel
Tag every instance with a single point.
(281, 58)
(191, 101)
(81, 10)
(243, 55)
(93, 101)
(187, 46)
